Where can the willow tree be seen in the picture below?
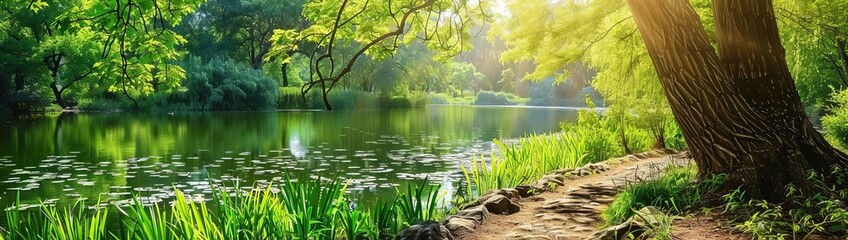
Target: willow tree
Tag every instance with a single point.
(738, 108)
(376, 29)
(736, 103)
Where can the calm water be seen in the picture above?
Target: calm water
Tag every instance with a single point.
(109, 156)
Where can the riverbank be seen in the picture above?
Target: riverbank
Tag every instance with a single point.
(564, 204)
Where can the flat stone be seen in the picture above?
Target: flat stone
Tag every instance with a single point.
(499, 204)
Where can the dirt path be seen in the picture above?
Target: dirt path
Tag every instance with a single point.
(571, 211)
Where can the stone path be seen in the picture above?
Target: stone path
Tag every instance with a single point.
(572, 211)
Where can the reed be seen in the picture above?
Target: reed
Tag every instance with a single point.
(305, 208)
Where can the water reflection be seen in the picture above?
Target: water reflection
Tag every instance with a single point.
(60, 158)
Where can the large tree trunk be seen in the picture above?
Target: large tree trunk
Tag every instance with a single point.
(57, 95)
(740, 113)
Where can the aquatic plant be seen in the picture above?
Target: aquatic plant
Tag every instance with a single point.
(418, 203)
(304, 208)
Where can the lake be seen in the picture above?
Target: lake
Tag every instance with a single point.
(109, 156)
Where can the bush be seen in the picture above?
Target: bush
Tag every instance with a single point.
(821, 213)
(221, 84)
(836, 122)
(99, 105)
(673, 192)
(438, 98)
(290, 98)
(495, 98)
(346, 99)
(26, 101)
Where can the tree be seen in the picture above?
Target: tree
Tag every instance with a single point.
(815, 37)
(49, 35)
(244, 28)
(738, 109)
(508, 81)
(379, 27)
(78, 41)
(462, 75)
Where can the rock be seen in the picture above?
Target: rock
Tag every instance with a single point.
(499, 204)
(510, 193)
(633, 227)
(478, 213)
(626, 230)
(529, 237)
(460, 227)
(647, 216)
(527, 191)
(564, 172)
(427, 230)
(550, 180)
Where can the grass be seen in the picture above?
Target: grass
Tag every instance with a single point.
(822, 212)
(536, 155)
(302, 209)
(672, 192)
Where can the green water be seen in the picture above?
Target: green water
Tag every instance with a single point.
(60, 158)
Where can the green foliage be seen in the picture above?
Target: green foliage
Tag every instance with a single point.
(481, 177)
(305, 208)
(439, 98)
(51, 222)
(495, 98)
(836, 122)
(291, 98)
(674, 136)
(821, 211)
(674, 192)
(224, 85)
(386, 219)
(344, 99)
(251, 215)
(27, 100)
(810, 32)
(593, 138)
(420, 202)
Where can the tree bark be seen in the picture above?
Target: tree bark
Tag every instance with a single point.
(57, 94)
(740, 113)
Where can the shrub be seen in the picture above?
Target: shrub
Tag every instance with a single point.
(438, 98)
(26, 101)
(344, 99)
(821, 212)
(100, 104)
(290, 98)
(495, 98)
(671, 192)
(221, 84)
(836, 123)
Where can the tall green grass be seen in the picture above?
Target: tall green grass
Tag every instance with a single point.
(674, 192)
(593, 138)
(305, 208)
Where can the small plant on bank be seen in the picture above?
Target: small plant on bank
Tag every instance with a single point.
(674, 192)
(821, 212)
(420, 202)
